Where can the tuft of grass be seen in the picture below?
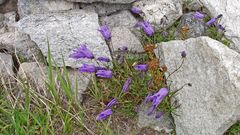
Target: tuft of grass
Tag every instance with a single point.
(234, 129)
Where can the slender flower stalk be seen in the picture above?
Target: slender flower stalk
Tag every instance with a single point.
(127, 85)
(112, 103)
(82, 52)
(87, 68)
(141, 67)
(104, 115)
(104, 73)
(147, 27)
(106, 33)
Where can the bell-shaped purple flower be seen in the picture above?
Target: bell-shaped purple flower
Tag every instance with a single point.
(212, 21)
(127, 85)
(221, 27)
(104, 59)
(141, 67)
(104, 115)
(112, 103)
(136, 10)
(105, 31)
(88, 68)
(104, 73)
(147, 27)
(157, 98)
(199, 15)
(82, 52)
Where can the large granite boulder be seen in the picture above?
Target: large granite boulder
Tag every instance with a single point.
(162, 13)
(230, 9)
(212, 103)
(64, 32)
(27, 7)
(105, 1)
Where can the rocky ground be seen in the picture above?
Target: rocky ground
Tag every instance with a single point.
(198, 62)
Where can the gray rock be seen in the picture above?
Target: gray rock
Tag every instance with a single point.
(27, 7)
(123, 18)
(122, 36)
(192, 5)
(37, 74)
(10, 20)
(21, 45)
(197, 27)
(231, 17)
(164, 123)
(105, 1)
(161, 13)
(8, 6)
(212, 104)
(2, 1)
(104, 9)
(6, 68)
(65, 32)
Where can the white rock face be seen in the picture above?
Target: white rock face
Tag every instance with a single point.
(122, 36)
(230, 9)
(37, 73)
(6, 67)
(156, 10)
(212, 104)
(105, 1)
(65, 32)
(27, 7)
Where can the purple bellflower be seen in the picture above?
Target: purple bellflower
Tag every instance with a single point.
(127, 85)
(112, 103)
(101, 68)
(88, 68)
(157, 98)
(104, 73)
(136, 10)
(104, 59)
(82, 52)
(147, 27)
(221, 27)
(212, 21)
(199, 15)
(104, 115)
(141, 67)
(106, 33)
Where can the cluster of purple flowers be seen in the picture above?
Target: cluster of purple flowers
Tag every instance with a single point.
(213, 21)
(84, 52)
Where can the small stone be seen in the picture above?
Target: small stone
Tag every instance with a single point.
(161, 13)
(211, 104)
(196, 27)
(104, 9)
(6, 68)
(122, 36)
(105, 1)
(20, 44)
(123, 18)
